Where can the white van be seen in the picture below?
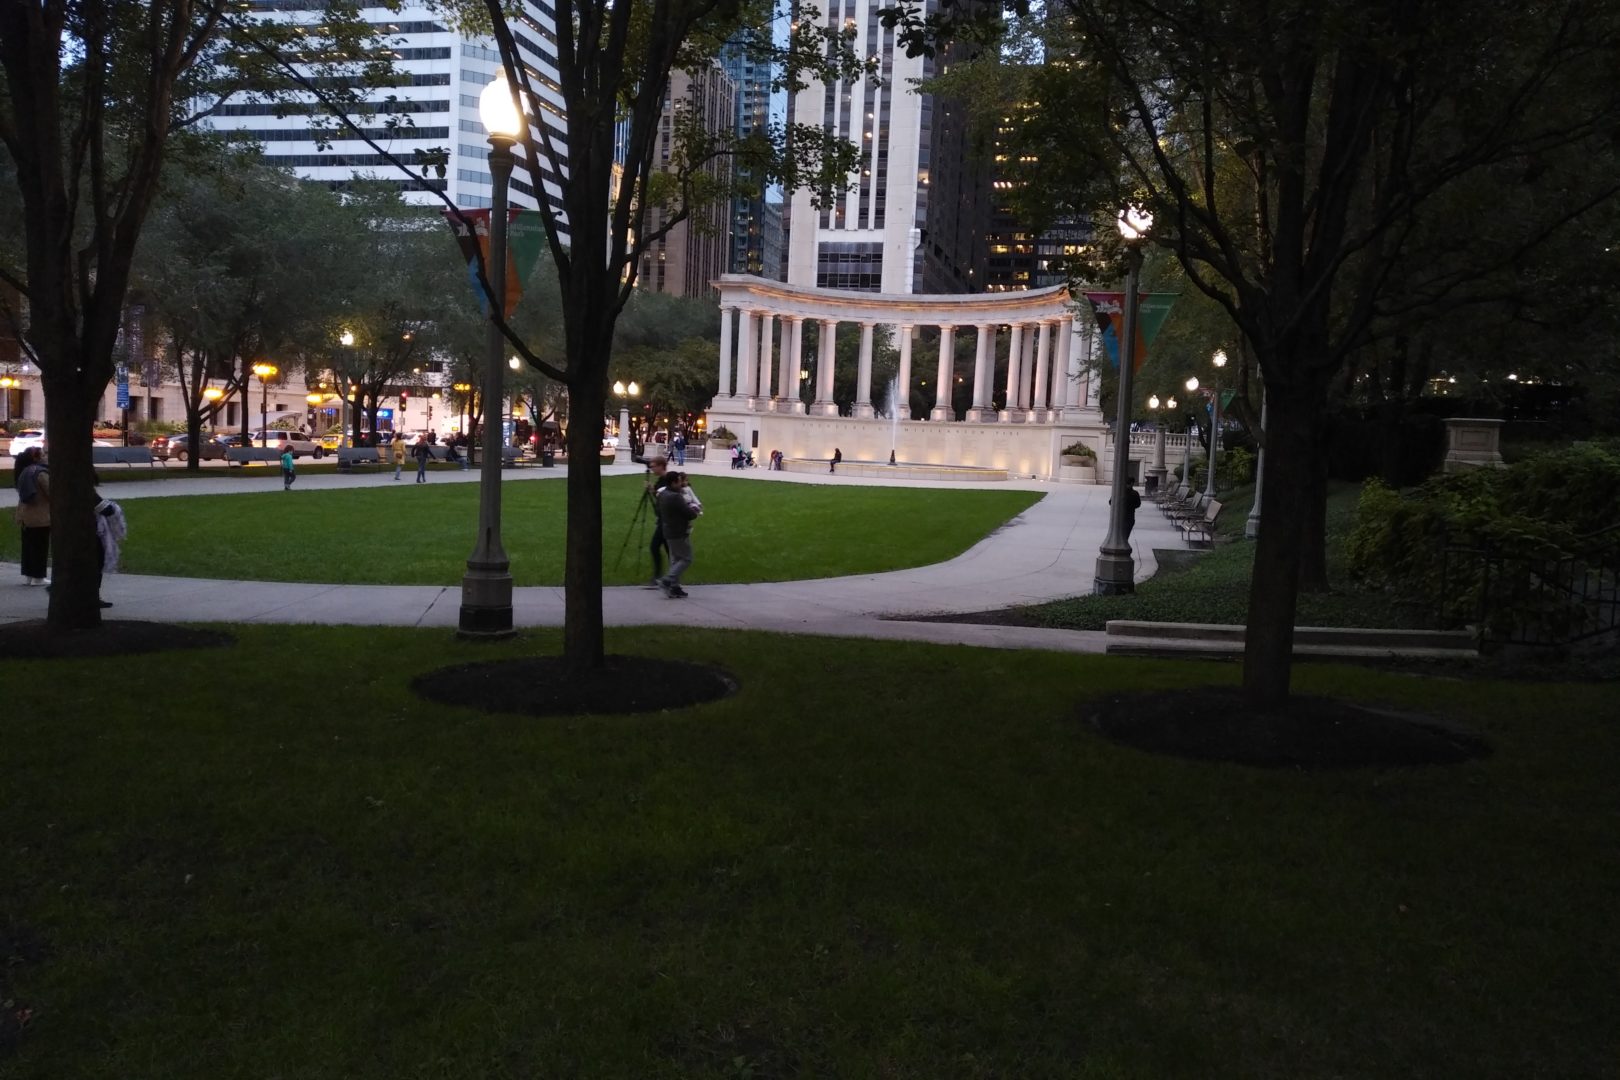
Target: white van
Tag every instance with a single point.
(300, 443)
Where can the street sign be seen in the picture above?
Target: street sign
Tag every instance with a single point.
(123, 386)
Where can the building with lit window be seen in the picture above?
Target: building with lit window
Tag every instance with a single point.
(909, 221)
(433, 104)
(698, 250)
(754, 229)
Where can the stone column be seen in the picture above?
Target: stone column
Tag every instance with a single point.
(943, 409)
(984, 366)
(901, 405)
(1043, 369)
(824, 403)
(746, 357)
(1026, 387)
(726, 314)
(1015, 374)
(766, 325)
(1060, 367)
(795, 369)
(784, 362)
(863, 377)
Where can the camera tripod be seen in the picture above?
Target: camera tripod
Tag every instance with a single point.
(639, 518)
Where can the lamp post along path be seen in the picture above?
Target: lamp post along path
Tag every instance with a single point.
(1116, 570)
(486, 588)
(1219, 360)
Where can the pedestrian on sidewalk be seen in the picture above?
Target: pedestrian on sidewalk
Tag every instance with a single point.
(111, 529)
(289, 471)
(397, 449)
(423, 452)
(33, 483)
(675, 515)
(1133, 500)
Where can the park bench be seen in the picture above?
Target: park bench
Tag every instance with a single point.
(242, 455)
(351, 458)
(124, 455)
(1191, 506)
(1201, 530)
(511, 457)
(1170, 496)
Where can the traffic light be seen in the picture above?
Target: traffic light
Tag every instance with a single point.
(404, 398)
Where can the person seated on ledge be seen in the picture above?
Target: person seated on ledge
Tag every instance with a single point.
(838, 455)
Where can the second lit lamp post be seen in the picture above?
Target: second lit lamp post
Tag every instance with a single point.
(265, 372)
(623, 453)
(486, 588)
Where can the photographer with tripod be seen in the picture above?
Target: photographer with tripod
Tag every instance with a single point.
(657, 481)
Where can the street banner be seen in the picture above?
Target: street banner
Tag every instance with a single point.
(525, 239)
(123, 386)
(1151, 311)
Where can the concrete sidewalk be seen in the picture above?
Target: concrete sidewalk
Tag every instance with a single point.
(1046, 553)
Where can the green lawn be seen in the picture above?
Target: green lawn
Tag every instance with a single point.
(422, 534)
(1214, 588)
(274, 861)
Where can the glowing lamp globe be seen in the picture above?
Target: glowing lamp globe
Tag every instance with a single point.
(1134, 223)
(498, 109)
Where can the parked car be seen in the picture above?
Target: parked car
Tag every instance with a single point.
(299, 443)
(31, 439)
(334, 440)
(179, 448)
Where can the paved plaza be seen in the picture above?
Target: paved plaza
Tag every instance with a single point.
(1046, 553)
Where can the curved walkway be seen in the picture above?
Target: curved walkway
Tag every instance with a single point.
(1046, 553)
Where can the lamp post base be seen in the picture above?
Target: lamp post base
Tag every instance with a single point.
(486, 604)
(1116, 574)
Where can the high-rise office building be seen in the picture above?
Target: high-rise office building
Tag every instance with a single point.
(751, 222)
(698, 250)
(433, 103)
(1020, 256)
(907, 222)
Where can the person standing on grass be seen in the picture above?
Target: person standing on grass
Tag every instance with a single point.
(289, 471)
(33, 483)
(397, 448)
(657, 480)
(675, 515)
(423, 452)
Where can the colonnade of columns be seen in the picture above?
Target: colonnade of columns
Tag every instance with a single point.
(1043, 368)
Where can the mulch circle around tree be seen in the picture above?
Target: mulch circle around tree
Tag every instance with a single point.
(545, 686)
(114, 637)
(1217, 724)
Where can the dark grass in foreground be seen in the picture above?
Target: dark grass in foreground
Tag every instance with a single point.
(877, 859)
(1214, 587)
(421, 534)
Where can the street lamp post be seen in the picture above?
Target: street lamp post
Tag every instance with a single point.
(465, 391)
(486, 589)
(1186, 447)
(624, 452)
(1157, 472)
(1251, 527)
(1219, 360)
(265, 372)
(1116, 570)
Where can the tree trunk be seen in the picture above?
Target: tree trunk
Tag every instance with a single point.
(1291, 452)
(1313, 575)
(583, 635)
(70, 419)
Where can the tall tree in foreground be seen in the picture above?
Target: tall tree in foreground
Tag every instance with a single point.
(614, 59)
(1349, 118)
(94, 93)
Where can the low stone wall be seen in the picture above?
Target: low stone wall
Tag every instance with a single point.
(904, 470)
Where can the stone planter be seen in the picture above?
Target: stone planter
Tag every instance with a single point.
(1471, 443)
(1073, 469)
